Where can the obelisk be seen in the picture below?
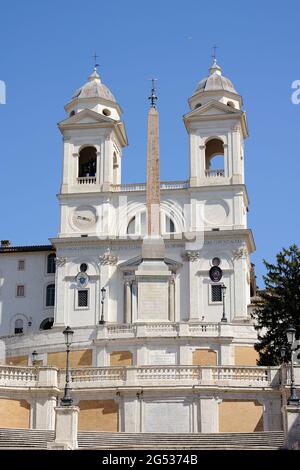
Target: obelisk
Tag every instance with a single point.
(153, 275)
(153, 244)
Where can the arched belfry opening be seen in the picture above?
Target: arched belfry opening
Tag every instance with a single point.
(214, 158)
(87, 165)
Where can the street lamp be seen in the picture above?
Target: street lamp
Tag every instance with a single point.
(291, 334)
(67, 400)
(223, 287)
(103, 292)
(34, 355)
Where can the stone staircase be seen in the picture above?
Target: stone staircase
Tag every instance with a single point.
(37, 439)
(258, 440)
(25, 438)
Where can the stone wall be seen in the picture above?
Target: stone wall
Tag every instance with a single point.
(81, 358)
(14, 413)
(245, 356)
(240, 416)
(98, 415)
(120, 358)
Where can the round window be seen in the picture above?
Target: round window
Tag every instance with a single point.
(215, 274)
(106, 112)
(216, 261)
(83, 267)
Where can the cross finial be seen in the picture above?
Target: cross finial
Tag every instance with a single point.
(214, 50)
(95, 57)
(153, 98)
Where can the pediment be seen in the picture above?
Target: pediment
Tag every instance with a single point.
(86, 116)
(133, 263)
(213, 108)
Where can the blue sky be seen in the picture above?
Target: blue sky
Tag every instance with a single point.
(46, 53)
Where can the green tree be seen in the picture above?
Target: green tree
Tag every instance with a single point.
(278, 305)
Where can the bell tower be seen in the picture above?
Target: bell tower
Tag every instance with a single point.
(217, 128)
(93, 138)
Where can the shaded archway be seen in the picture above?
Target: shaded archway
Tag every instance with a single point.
(214, 157)
(87, 165)
(47, 323)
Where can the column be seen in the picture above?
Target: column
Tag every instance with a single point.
(61, 300)
(132, 413)
(209, 414)
(98, 167)
(172, 299)
(45, 412)
(193, 288)
(104, 279)
(127, 302)
(66, 162)
(202, 162)
(226, 160)
(107, 164)
(193, 160)
(134, 301)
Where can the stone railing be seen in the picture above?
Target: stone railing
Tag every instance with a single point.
(142, 186)
(44, 377)
(162, 329)
(214, 173)
(14, 376)
(201, 329)
(86, 180)
(95, 375)
(168, 373)
(241, 374)
(171, 375)
(174, 184)
(121, 331)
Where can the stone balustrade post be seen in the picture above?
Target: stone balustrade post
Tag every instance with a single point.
(291, 426)
(66, 427)
(131, 376)
(47, 376)
(206, 375)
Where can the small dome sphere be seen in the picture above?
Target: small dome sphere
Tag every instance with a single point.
(215, 81)
(94, 88)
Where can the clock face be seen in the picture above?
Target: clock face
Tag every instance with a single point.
(84, 217)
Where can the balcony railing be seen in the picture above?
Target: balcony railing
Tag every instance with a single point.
(86, 180)
(17, 376)
(171, 375)
(214, 173)
(168, 329)
(142, 186)
(47, 377)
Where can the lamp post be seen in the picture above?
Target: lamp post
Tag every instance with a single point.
(67, 400)
(34, 355)
(291, 334)
(103, 292)
(223, 319)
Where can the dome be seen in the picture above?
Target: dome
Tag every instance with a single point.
(94, 88)
(215, 81)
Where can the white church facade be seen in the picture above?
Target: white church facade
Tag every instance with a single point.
(159, 303)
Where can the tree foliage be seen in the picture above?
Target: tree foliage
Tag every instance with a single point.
(278, 305)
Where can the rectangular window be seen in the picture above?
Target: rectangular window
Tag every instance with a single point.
(50, 295)
(20, 290)
(83, 298)
(216, 293)
(21, 265)
(51, 259)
